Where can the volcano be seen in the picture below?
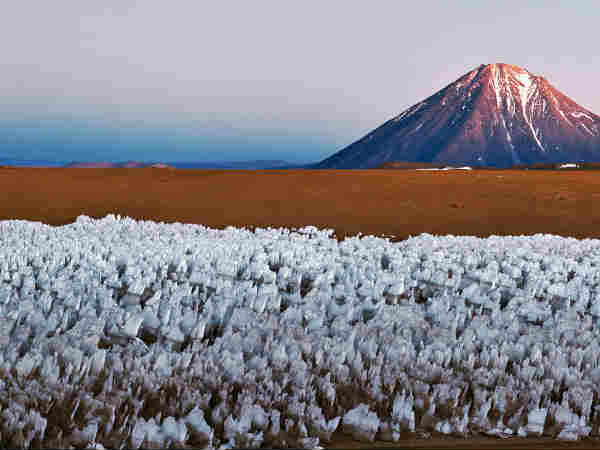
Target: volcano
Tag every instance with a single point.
(497, 115)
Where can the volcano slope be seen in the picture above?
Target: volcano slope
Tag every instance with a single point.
(394, 203)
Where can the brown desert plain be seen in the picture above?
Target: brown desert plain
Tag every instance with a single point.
(388, 203)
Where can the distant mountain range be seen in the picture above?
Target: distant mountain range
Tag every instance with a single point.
(231, 165)
(242, 165)
(264, 165)
(497, 115)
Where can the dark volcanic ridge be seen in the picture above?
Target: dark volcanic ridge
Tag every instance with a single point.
(562, 166)
(242, 165)
(246, 165)
(390, 165)
(108, 164)
(497, 115)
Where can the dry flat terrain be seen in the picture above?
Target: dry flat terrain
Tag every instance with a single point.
(380, 202)
(395, 203)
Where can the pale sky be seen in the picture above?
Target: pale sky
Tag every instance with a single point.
(263, 79)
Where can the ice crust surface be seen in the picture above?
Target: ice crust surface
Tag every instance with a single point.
(170, 334)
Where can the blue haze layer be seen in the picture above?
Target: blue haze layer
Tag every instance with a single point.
(66, 140)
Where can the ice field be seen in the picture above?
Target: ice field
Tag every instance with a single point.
(116, 332)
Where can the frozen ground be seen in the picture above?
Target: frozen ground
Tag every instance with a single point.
(568, 166)
(121, 333)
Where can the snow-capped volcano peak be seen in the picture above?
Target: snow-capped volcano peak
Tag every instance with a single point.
(512, 75)
(515, 88)
(495, 115)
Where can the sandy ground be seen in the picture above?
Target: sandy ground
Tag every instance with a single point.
(381, 202)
